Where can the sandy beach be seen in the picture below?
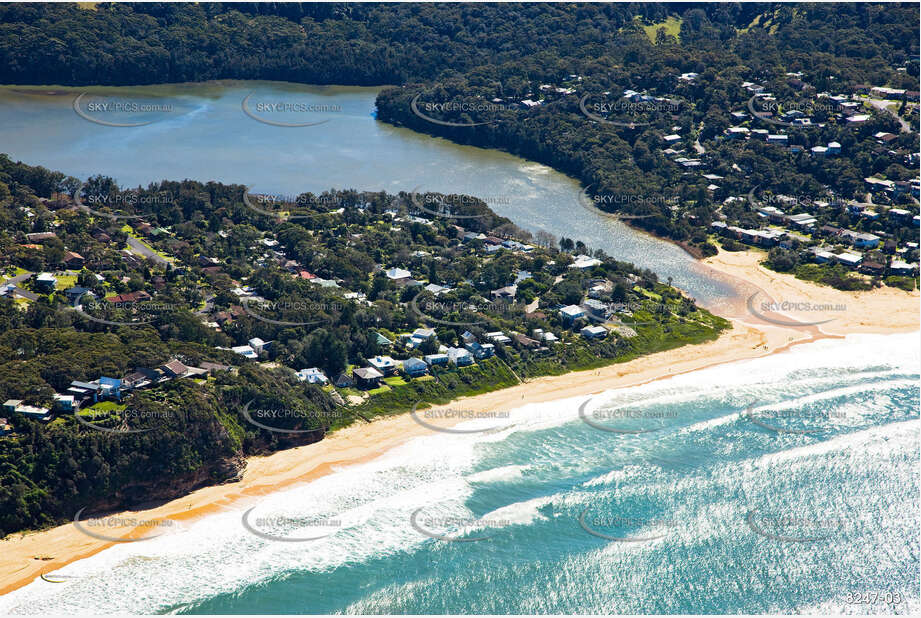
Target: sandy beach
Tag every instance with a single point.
(24, 557)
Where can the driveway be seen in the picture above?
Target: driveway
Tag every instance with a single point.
(884, 105)
(138, 247)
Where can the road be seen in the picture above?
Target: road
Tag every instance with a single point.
(884, 105)
(138, 247)
(697, 145)
(15, 281)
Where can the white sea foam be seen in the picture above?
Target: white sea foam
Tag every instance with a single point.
(372, 502)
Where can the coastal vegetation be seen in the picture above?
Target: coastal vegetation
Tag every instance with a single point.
(335, 281)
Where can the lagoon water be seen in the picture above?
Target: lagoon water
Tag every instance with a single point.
(812, 504)
(207, 136)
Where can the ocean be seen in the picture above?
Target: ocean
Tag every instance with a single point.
(783, 484)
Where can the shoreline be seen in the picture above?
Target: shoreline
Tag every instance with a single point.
(362, 443)
(25, 556)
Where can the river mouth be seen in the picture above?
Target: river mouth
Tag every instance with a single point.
(291, 138)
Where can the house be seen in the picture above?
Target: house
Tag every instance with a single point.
(5, 427)
(129, 298)
(498, 337)
(436, 289)
(899, 267)
(737, 132)
(214, 367)
(594, 332)
(174, 369)
(872, 268)
(424, 334)
(834, 148)
(258, 345)
(367, 377)
(384, 364)
(245, 350)
(45, 282)
(75, 293)
(382, 341)
(526, 341)
(863, 240)
(671, 139)
(343, 380)
(460, 357)
(40, 236)
(480, 350)
(584, 261)
(398, 275)
(73, 260)
(507, 293)
(850, 260)
(312, 375)
(64, 403)
(778, 139)
(435, 359)
(415, 367)
(597, 308)
(571, 313)
(141, 377)
(34, 412)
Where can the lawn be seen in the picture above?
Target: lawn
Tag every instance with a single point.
(672, 27)
(102, 408)
(65, 282)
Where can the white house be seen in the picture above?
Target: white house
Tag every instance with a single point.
(245, 350)
(397, 274)
(312, 375)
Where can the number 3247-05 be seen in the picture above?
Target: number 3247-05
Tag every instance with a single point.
(872, 598)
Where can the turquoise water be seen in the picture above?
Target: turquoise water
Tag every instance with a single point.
(737, 517)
